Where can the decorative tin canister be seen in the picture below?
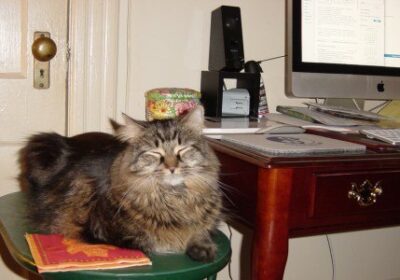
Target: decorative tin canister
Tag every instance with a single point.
(168, 103)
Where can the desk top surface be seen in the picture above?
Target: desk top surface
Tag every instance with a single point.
(391, 157)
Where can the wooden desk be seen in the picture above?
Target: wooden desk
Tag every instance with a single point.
(282, 197)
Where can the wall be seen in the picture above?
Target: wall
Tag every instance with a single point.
(169, 40)
(165, 44)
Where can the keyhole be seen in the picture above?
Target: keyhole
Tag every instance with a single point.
(41, 73)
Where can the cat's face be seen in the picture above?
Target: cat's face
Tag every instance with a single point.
(169, 152)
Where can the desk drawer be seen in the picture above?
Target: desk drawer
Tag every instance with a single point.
(330, 193)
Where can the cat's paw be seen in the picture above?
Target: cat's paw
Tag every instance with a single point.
(202, 252)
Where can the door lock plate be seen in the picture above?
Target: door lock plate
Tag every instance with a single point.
(41, 69)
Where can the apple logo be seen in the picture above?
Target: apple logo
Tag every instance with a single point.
(380, 87)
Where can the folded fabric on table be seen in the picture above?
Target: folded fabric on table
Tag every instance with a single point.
(53, 253)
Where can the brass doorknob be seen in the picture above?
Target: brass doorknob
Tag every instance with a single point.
(44, 48)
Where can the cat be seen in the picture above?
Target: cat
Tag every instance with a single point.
(151, 186)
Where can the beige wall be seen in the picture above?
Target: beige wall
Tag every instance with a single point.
(169, 41)
(167, 46)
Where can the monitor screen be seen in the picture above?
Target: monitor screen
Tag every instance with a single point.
(343, 49)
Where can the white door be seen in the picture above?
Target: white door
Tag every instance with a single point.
(23, 109)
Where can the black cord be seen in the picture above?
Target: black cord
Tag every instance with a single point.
(253, 66)
(272, 58)
(230, 260)
(332, 258)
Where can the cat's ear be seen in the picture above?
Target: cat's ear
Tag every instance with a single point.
(130, 130)
(115, 126)
(194, 119)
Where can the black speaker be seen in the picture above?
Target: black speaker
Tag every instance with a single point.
(226, 42)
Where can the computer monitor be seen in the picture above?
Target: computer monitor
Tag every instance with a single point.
(343, 49)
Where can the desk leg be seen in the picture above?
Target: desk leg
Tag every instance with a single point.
(270, 243)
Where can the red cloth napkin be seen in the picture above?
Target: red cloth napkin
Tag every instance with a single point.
(54, 252)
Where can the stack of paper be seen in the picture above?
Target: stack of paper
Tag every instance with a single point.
(346, 112)
(315, 116)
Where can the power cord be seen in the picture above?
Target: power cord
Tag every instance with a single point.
(271, 58)
(230, 260)
(253, 66)
(332, 256)
(380, 106)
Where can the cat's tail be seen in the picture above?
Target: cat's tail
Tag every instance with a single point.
(43, 157)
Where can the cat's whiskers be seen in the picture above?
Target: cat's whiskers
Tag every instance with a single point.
(202, 182)
(223, 191)
(227, 187)
(121, 203)
(222, 186)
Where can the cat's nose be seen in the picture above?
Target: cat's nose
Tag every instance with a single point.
(171, 169)
(170, 163)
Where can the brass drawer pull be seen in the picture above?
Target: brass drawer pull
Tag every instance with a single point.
(366, 193)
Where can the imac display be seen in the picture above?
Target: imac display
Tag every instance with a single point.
(343, 49)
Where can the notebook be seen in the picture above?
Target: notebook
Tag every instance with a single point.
(293, 144)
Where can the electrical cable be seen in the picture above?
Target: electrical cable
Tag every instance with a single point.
(332, 256)
(272, 58)
(379, 106)
(356, 104)
(230, 260)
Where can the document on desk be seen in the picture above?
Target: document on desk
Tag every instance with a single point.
(246, 126)
(293, 144)
(310, 115)
(230, 125)
(281, 118)
(346, 112)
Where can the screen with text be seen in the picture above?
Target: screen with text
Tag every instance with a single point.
(356, 32)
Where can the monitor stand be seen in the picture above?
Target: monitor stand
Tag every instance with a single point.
(357, 104)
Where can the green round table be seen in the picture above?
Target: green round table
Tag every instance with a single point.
(13, 226)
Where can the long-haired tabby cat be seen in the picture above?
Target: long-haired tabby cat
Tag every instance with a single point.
(151, 186)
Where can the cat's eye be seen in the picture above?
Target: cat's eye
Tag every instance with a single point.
(180, 152)
(149, 156)
(147, 160)
(188, 154)
(144, 161)
(156, 154)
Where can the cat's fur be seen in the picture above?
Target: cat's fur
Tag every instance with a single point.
(152, 186)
